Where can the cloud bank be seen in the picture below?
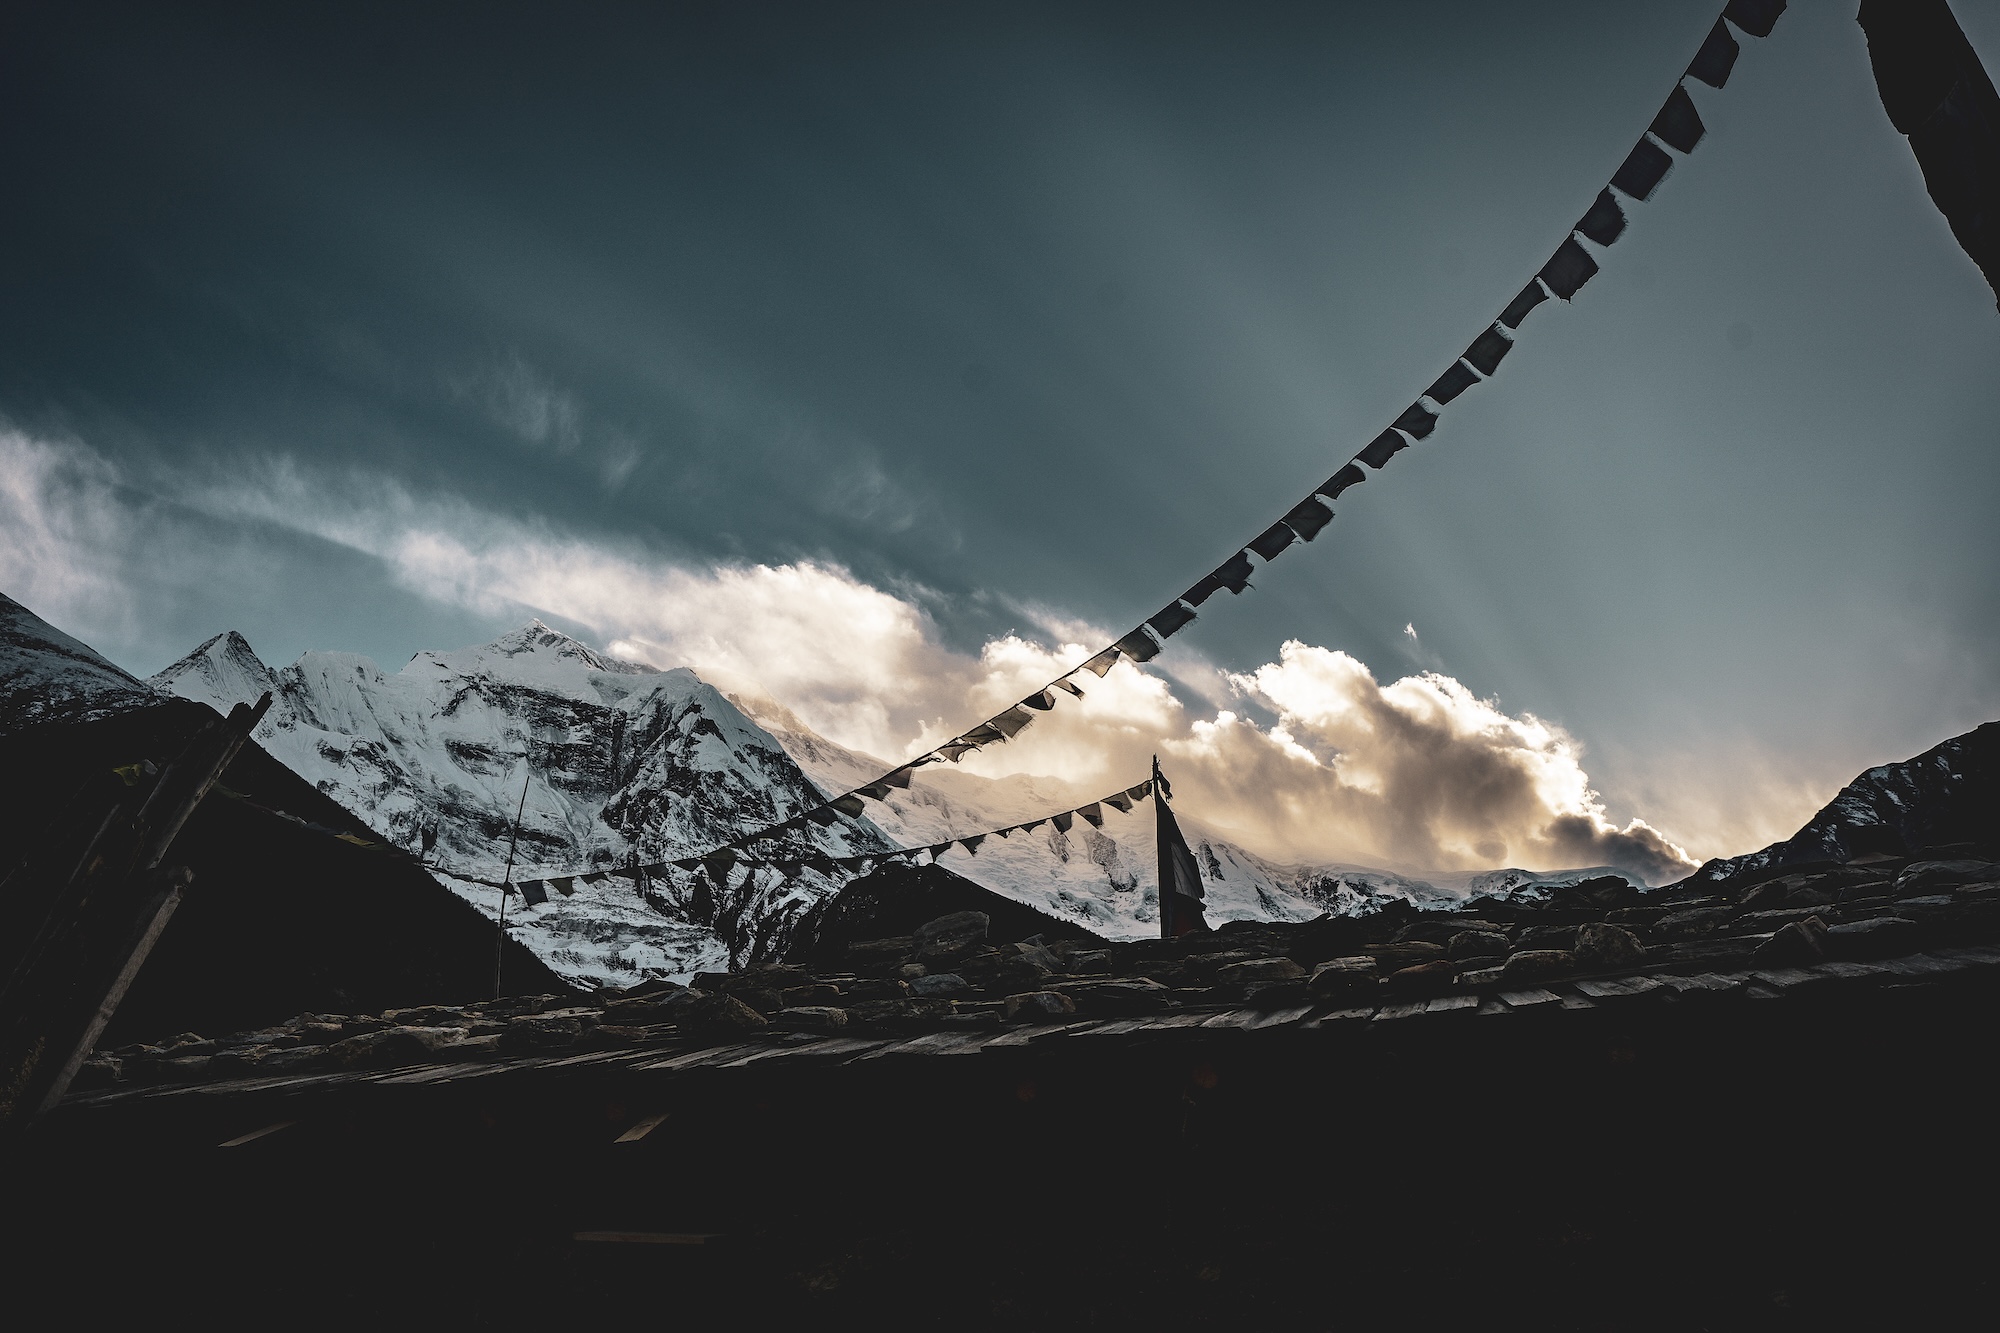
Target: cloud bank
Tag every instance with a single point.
(1308, 758)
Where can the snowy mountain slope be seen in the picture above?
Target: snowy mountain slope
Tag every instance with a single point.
(47, 676)
(621, 765)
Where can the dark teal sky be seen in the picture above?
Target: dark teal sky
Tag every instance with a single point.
(1034, 305)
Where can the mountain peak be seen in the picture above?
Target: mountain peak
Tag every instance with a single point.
(224, 671)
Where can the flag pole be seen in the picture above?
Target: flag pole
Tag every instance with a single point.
(1164, 853)
(500, 940)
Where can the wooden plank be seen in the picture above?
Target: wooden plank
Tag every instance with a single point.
(1533, 997)
(1464, 1005)
(1278, 1018)
(695, 1059)
(931, 1043)
(1337, 1019)
(1029, 1035)
(1232, 1018)
(256, 1134)
(642, 1127)
(1620, 988)
(1493, 1004)
(1392, 1013)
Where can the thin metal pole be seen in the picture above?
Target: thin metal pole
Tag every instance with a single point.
(507, 880)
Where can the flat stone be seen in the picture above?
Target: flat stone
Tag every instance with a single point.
(1538, 965)
(1342, 979)
(819, 1018)
(1257, 970)
(1530, 998)
(940, 986)
(948, 938)
(1477, 944)
(1873, 937)
(1622, 988)
(1423, 979)
(1800, 944)
(1039, 1004)
(1463, 1005)
(1393, 1013)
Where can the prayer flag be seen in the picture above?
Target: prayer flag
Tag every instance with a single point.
(1517, 309)
(1070, 687)
(1640, 175)
(1568, 269)
(1755, 17)
(1011, 723)
(1092, 814)
(1139, 645)
(971, 844)
(1383, 447)
(1061, 821)
(1487, 350)
(1452, 383)
(1103, 662)
(1121, 803)
(1678, 125)
(1308, 516)
(1604, 223)
(1716, 58)
(1416, 422)
(1169, 619)
(1181, 889)
(825, 816)
(1041, 701)
(1340, 481)
(1272, 541)
(850, 804)
(534, 891)
(566, 886)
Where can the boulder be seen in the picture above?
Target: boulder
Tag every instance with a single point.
(1801, 944)
(1395, 957)
(537, 1032)
(1602, 947)
(948, 938)
(1432, 978)
(1537, 965)
(720, 1015)
(1040, 1004)
(1343, 979)
(1089, 962)
(1546, 937)
(821, 1018)
(940, 986)
(1255, 970)
(1477, 944)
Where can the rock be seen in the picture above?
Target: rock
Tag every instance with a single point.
(911, 971)
(1041, 956)
(1635, 916)
(1269, 995)
(1763, 897)
(1695, 921)
(887, 988)
(1477, 944)
(1125, 997)
(1874, 937)
(1089, 962)
(1602, 947)
(875, 955)
(949, 938)
(1607, 891)
(1395, 957)
(806, 997)
(1921, 877)
(1545, 937)
(1800, 944)
(940, 986)
(1432, 978)
(810, 1018)
(878, 1011)
(535, 1032)
(720, 1015)
(645, 1012)
(1256, 970)
(770, 976)
(655, 986)
(1039, 1004)
(429, 1016)
(761, 998)
(1537, 965)
(1343, 979)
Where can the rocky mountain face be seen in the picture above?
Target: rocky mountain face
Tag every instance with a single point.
(1946, 801)
(47, 676)
(608, 764)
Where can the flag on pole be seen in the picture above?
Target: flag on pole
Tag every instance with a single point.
(1181, 890)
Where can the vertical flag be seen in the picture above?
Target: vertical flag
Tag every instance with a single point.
(1181, 891)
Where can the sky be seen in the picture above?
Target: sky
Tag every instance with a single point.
(876, 357)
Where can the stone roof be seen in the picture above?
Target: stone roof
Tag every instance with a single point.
(1490, 971)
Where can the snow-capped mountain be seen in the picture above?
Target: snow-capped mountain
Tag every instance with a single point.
(609, 764)
(47, 676)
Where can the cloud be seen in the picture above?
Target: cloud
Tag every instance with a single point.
(1418, 773)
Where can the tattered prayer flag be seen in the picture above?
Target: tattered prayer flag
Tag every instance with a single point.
(1340, 481)
(1092, 814)
(1678, 125)
(1041, 701)
(717, 863)
(1139, 645)
(1383, 447)
(938, 849)
(1308, 516)
(687, 863)
(1120, 802)
(825, 816)
(1755, 17)
(1517, 309)
(1202, 591)
(534, 891)
(1169, 619)
(1142, 791)
(566, 886)
(1716, 58)
(1234, 573)
(850, 804)
(595, 877)
(1416, 422)
(875, 791)
(1568, 269)
(1030, 828)
(1103, 662)
(1604, 223)
(953, 751)
(791, 869)
(1070, 687)
(1061, 821)
(901, 777)
(1640, 175)
(1452, 383)
(984, 734)
(971, 844)
(1488, 349)
(1011, 723)
(1272, 541)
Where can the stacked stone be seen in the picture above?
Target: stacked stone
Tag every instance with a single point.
(1601, 939)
